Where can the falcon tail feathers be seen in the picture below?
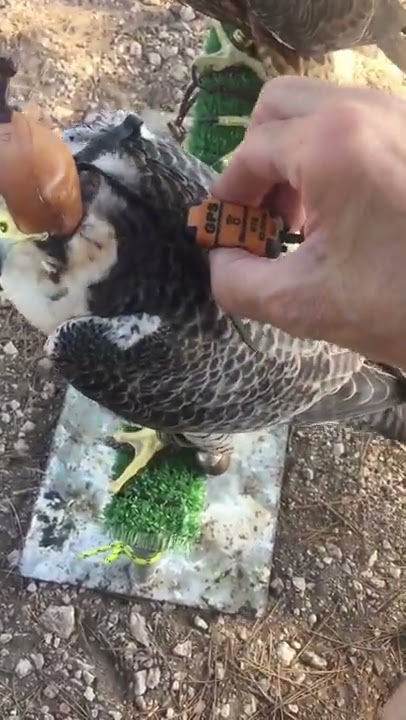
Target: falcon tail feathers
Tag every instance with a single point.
(390, 423)
(395, 50)
(373, 399)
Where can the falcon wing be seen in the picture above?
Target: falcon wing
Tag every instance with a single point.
(315, 27)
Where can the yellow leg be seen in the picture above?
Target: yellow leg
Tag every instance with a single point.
(228, 56)
(150, 445)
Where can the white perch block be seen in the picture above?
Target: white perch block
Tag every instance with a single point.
(228, 570)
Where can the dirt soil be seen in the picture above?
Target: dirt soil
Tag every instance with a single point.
(334, 642)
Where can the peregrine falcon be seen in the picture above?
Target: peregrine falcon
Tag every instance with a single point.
(131, 322)
(276, 37)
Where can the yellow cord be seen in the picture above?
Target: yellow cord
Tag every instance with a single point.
(117, 550)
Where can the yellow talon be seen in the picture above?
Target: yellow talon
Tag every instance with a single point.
(150, 445)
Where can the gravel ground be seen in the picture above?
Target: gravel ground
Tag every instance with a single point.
(334, 642)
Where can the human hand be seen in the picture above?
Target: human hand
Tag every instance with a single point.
(334, 160)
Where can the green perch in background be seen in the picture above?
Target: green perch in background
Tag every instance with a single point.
(161, 510)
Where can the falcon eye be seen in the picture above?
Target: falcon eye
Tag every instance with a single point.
(3, 227)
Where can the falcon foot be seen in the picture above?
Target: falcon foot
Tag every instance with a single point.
(227, 56)
(150, 445)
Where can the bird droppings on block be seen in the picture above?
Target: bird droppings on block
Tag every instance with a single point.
(229, 569)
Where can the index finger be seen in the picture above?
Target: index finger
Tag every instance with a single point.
(266, 161)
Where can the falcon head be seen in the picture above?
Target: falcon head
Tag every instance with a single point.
(48, 280)
(133, 206)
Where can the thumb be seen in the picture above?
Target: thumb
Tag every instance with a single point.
(286, 292)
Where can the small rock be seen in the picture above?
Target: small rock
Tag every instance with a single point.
(64, 708)
(154, 59)
(225, 711)
(386, 545)
(183, 649)
(394, 572)
(178, 72)
(89, 694)
(38, 660)
(141, 703)
(140, 683)
(51, 691)
(308, 473)
(379, 665)
(23, 668)
(88, 677)
(138, 629)
(187, 14)
(299, 583)
(220, 671)
(358, 587)
(60, 112)
(48, 390)
(296, 644)
(334, 551)
(136, 50)
(286, 653)
(312, 619)
(59, 619)
(45, 366)
(242, 633)
(153, 678)
(170, 713)
(277, 586)
(293, 708)
(27, 427)
(168, 51)
(378, 583)
(251, 707)
(338, 449)
(115, 715)
(32, 587)
(5, 638)
(21, 446)
(10, 349)
(372, 559)
(200, 623)
(310, 658)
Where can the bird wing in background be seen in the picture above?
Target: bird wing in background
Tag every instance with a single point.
(289, 34)
(315, 27)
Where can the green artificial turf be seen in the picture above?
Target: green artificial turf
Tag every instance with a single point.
(233, 93)
(161, 509)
